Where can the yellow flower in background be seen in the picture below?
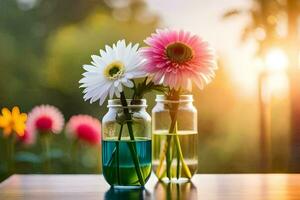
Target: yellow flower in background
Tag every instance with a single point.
(13, 121)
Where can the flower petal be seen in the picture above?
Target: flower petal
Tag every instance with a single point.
(175, 72)
(6, 113)
(95, 83)
(128, 83)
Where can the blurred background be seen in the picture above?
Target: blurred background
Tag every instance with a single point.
(249, 117)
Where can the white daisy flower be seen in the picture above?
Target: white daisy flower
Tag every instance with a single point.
(109, 72)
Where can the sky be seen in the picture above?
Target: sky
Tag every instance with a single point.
(204, 18)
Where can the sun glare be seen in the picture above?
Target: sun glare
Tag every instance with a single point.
(274, 65)
(276, 60)
(278, 85)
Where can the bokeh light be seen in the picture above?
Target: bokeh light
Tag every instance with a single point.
(276, 60)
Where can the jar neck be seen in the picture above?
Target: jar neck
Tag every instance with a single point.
(184, 100)
(132, 104)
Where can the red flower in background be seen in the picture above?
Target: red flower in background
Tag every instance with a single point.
(45, 119)
(85, 128)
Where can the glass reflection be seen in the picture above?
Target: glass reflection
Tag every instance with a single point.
(179, 191)
(124, 194)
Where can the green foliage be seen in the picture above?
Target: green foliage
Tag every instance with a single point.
(72, 46)
(42, 49)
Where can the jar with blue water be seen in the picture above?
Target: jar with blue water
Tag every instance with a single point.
(126, 143)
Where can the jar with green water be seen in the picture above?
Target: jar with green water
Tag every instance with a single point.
(174, 138)
(126, 144)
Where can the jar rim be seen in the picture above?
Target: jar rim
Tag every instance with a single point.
(182, 98)
(131, 103)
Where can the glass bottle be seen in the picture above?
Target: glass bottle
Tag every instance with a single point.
(126, 144)
(174, 138)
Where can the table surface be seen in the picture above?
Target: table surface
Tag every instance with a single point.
(230, 186)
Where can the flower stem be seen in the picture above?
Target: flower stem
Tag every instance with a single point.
(74, 153)
(169, 137)
(177, 155)
(173, 132)
(117, 152)
(184, 165)
(178, 166)
(46, 146)
(118, 162)
(132, 146)
(168, 159)
(166, 149)
(11, 154)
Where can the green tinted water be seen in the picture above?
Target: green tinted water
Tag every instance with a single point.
(127, 172)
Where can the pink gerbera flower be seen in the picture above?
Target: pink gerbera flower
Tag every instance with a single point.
(175, 58)
(45, 119)
(84, 127)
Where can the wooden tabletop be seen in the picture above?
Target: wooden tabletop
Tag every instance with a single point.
(240, 186)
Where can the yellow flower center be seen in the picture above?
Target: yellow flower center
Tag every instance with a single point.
(179, 52)
(114, 70)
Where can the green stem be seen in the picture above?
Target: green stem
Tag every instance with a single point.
(184, 165)
(173, 132)
(7, 156)
(140, 89)
(173, 114)
(180, 154)
(118, 162)
(178, 166)
(74, 152)
(132, 146)
(174, 149)
(46, 153)
(11, 154)
(165, 153)
(117, 152)
(168, 158)
(112, 157)
(178, 159)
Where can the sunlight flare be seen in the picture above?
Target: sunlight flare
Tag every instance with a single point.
(276, 60)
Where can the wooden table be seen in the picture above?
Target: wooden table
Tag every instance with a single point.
(240, 186)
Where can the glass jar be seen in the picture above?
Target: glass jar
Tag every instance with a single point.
(126, 144)
(174, 138)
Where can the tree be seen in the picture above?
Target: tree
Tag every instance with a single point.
(266, 15)
(262, 27)
(293, 10)
(28, 28)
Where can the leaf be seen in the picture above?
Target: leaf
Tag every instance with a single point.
(29, 157)
(56, 153)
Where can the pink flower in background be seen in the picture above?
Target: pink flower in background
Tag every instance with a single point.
(45, 119)
(29, 137)
(84, 127)
(174, 58)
